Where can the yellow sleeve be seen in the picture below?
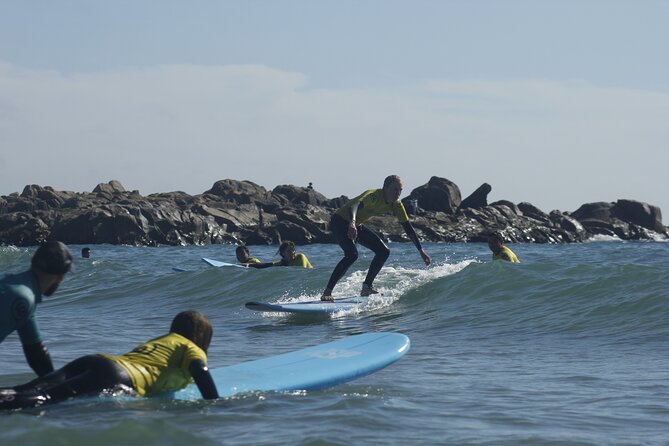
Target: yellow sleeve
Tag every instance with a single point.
(192, 353)
(400, 212)
(301, 260)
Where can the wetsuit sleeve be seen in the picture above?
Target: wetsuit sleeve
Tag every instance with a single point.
(408, 228)
(200, 373)
(260, 265)
(38, 358)
(29, 331)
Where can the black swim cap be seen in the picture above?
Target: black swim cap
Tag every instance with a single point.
(53, 258)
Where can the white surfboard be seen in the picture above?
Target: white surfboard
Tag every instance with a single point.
(312, 368)
(219, 264)
(313, 306)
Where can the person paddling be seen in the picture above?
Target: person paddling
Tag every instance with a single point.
(20, 294)
(289, 257)
(244, 256)
(163, 364)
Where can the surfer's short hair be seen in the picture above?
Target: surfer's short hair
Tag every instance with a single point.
(195, 326)
(496, 236)
(391, 179)
(287, 244)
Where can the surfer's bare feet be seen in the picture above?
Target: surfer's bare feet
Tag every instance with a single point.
(327, 296)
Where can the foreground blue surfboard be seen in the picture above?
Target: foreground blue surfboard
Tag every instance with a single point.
(311, 307)
(312, 368)
(219, 264)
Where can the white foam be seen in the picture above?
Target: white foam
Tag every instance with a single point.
(602, 238)
(394, 282)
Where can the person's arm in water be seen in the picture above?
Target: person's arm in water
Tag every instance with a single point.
(200, 373)
(260, 265)
(408, 228)
(38, 358)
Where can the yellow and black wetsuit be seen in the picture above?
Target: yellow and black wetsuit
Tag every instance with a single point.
(369, 204)
(505, 254)
(163, 364)
(298, 260)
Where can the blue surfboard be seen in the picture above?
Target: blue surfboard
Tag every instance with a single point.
(312, 368)
(311, 307)
(219, 264)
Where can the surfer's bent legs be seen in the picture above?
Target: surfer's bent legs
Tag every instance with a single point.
(87, 375)
(370, 240)
(339, 228)
(367, 238)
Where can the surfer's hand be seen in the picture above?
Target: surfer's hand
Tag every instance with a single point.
(352, 231)
(426, 258)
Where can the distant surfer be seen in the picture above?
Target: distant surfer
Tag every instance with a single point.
(347, 227)
(289, 257)
(164, 364)
(499, 250)
(20, 294)
(86, 252)
(244, 256)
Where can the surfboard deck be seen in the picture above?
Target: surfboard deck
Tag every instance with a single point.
(312, 368)
(311, 307)
(219, 264)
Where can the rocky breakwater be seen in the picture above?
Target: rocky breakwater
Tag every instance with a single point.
(243, 212)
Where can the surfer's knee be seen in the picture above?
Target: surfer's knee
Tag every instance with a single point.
(382, 252)
(351, 254)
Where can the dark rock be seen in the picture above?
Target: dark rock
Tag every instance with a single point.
(593, 211)
(531, 211)
(641, 214)
(478, 198)
(240, 192)
(439, 194)
(299, 196)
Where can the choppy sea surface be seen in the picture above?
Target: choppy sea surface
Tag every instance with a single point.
(570, 347)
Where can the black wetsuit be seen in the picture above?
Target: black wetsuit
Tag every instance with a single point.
(88, 375)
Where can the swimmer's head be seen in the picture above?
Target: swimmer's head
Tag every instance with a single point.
(242, 253)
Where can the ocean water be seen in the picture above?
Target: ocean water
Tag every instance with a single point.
(570, 347)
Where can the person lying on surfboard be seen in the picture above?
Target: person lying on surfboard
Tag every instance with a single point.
(289, 257)
(243, 255)
(164, 364)
(347, 228)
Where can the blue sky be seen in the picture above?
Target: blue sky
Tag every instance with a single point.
(557, 103)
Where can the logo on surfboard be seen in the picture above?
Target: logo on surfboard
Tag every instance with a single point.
(335, 353)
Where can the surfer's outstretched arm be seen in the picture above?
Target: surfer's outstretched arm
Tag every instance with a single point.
(408, 228)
